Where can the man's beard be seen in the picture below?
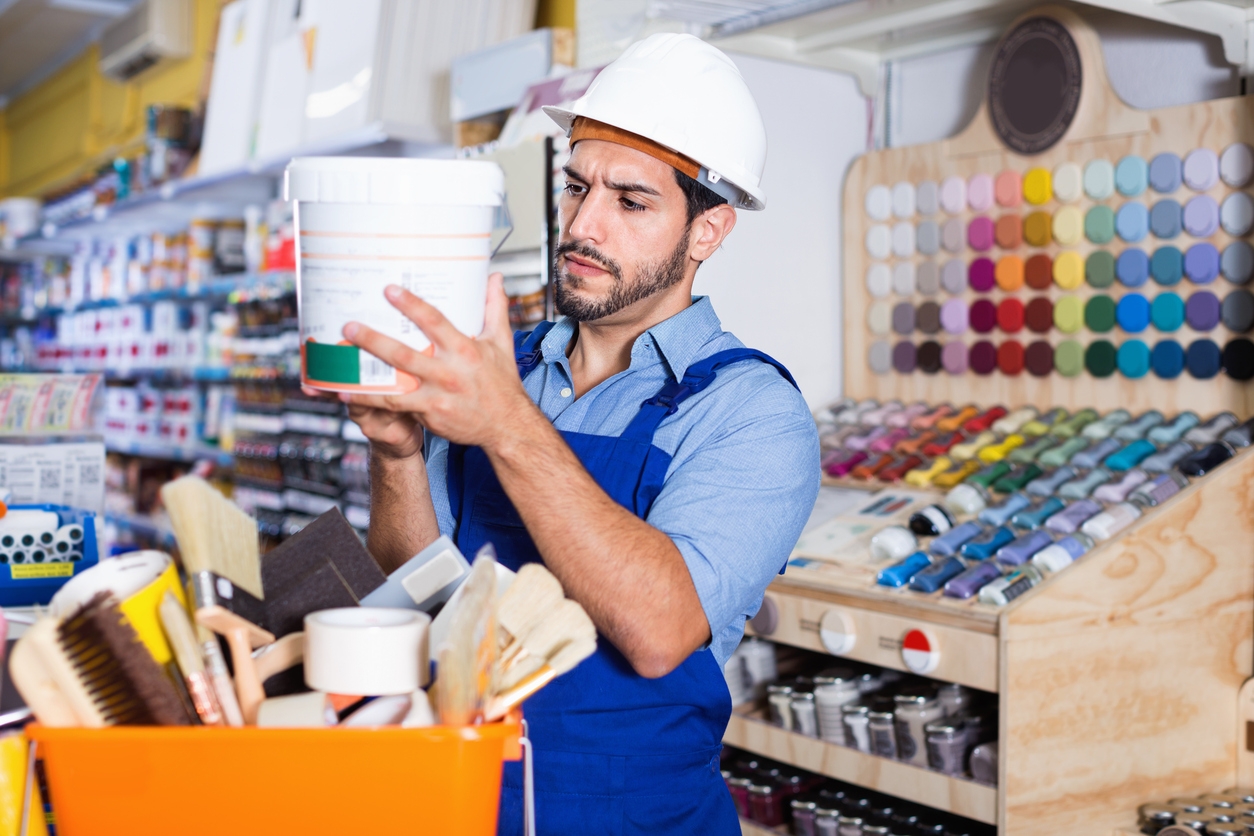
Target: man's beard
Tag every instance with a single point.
(651, 279)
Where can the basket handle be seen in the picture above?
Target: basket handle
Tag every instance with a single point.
(529, 786)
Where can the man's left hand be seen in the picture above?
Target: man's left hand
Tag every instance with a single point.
(468, 387)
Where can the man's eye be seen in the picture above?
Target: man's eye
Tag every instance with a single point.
(632, 206)
(574, 189)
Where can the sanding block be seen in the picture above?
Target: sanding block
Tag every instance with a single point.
(425, 581)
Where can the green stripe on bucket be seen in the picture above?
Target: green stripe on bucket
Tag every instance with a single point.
(332, 363)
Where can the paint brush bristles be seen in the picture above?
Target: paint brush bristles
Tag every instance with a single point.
(528, 601)
(213, 533)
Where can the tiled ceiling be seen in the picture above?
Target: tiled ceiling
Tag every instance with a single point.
(39, 36)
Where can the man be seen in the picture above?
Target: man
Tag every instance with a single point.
(659, 469)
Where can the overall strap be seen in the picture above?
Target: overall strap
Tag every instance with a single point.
(698, 376)
(527, 351)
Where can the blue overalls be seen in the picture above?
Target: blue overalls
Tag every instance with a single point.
(615, 753)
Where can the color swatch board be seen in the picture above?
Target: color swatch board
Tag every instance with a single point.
(1113, 270)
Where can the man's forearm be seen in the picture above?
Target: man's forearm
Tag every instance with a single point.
(629, 576)
(402, 518)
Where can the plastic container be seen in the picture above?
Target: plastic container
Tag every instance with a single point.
(363, 223)
(198, 781)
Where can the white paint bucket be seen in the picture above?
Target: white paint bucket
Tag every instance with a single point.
(363, 223)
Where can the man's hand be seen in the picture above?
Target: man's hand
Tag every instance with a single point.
(468, 388)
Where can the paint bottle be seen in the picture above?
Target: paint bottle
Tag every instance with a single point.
(850, 826)
(1060, 555)
(1043, 424)
(856, 720)
(804, 716)
(1029, 452)
(1130, 456)
(893, 543)
(1001, 514)
(987, 544)
(803, 816)
(966, 499)
(1118, 491)
(905, 416)
(1212, 429)
(934, 577)
(1033, 518)
(883, 734)
(1060, 454)
(1159, 489)
(1012, 422)
(739, 789)
(1073, 425)
(1009, 587)
(827, 822)
(764, 805)
(911, 716)
(1203, 461)
(1069, 519)
(954, 698)
(984, 763)
(779, 702)
(1106, 426)
(1093, 455)
(1133, 430)
(989, 475)
(1050, 482)
(1168, 458)
(931, 521)
(971, 581)
(1015, 480)
(900, 574)
(1110, 522)
(1085, 485)
(1022, 549)
(948, 543)
(1240, 437)
(1173, 432)
(831, 695)
(947, 747)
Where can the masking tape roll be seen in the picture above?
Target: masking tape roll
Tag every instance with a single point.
(312, 710)
(366, 650)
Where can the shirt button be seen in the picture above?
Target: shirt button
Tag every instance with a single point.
(566, 392)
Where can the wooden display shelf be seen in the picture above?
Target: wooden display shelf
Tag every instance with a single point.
(749, 828)
(747, 730)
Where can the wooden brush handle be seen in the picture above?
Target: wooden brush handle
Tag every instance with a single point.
(247, 682)
(283, 654)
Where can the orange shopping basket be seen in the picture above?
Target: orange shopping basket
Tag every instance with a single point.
(194, 781)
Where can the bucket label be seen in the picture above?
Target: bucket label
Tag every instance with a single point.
(34, 571)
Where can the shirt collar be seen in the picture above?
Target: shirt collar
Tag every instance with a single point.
(678, 340)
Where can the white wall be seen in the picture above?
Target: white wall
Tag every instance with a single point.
(776, 282)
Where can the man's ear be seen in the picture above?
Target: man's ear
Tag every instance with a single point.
(710, 228)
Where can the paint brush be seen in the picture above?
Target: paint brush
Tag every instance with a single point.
(532, 596)
(564, 622)
(213, 533)
(47, 681)
(564, 660)
(182, 638)
(469, 651)
(215, 666)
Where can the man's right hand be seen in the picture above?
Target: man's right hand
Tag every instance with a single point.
(392, 435)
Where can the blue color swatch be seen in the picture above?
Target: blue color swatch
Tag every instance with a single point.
(1131, 176)
(1132, 267)
(1132, 222)
(1133, 313)
(1133, 359)
(1201, 263)
(1164, 173)
(1203, 359)
(1167, 266)
(1167, 312)
(1167, 359)
(1165, 219)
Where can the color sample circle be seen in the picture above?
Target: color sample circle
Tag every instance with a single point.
(1068, 183)
(1038, 315)
(903, 318)
(1009, 273)
(903, 199)
(927, 318)
(1167, 312)
(1165, 219)
(879, 242)
(1238, 359)
(1037, 229)
(1038, 272)
(1099, 179)
(1236, 164)
(1068, 314)
(982, 358)
(928, 238)
(980, 192)
(953, 316)
(927, 278)
(1133, 359)
(1167, 359)
(879, 318)
(1201, 263)
(904, 355)
(1236, 215)
(1099, 269)
(1238, 311)
(980, 234)
(1237, 262)
(879, 203)
(1132, 267)
(1203, 359)
(1010, 357)
(879, 280)
(903, 240)
(1201, 216)
(952, 237)
(1167, 266)
(1068, 270)
(1099, 224)
(953, 195)
(1039, 358)
(1009, 232)
(927, 197)
(1099, 313)
(1201, 169)
(982, 316)
(1037, 188)
(954, 276)
(1100, 358)
(1010, 315)
(1164, 173)
(1202, 311)
(929, 357)
(903, 278)
(981, 275)
(1131, 176)
(1132, 222)
(1069, 358)
(880, 357)
(1068, 226)
(954, 357)
(1133, 313)
(1009, 189)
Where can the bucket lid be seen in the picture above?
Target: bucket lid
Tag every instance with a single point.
(395, 181)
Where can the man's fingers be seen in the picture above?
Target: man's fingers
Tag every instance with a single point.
(427, 317)
(496, 325)
(394, 353)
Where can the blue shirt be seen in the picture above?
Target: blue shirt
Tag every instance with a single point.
(744, 470)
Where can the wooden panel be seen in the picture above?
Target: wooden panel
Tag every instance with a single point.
(748, 828)
(1104, 127)
(1121, 678)
(967, 657)
(955, 795)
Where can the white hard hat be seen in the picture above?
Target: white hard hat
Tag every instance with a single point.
(682, 93)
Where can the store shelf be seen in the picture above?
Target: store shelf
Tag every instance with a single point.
(171, 452)
(142, 523)
(954, 795)
(748, 828)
